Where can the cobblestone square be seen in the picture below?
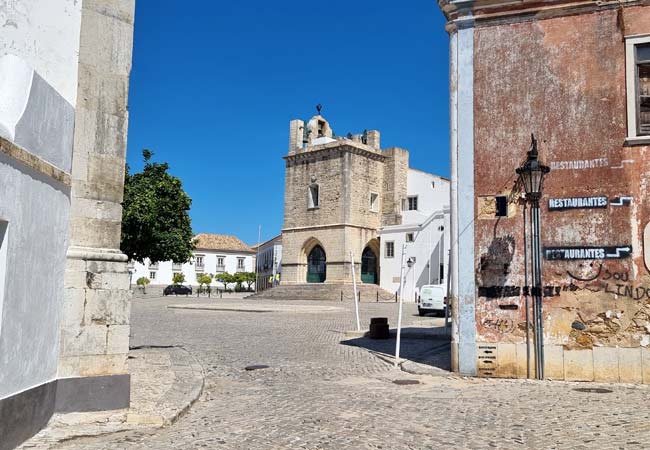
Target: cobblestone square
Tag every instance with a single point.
(320, 392)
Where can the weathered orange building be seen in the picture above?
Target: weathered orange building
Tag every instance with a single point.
(577, 74)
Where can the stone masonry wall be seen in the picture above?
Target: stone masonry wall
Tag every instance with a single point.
(346, 172)
(394, 185)
(95, 327)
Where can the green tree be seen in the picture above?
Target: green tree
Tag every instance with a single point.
(155, 219)
(143, 281)
(249, 279)
(225, 278)
(204, 279)
(239, 278)
(178, 278)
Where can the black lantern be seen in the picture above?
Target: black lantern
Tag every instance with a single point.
(532, 172)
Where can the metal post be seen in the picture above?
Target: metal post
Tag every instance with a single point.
(399, 311)
(257, 256)
(537, 288)
(354, 284)
(448, 299)
(526, 293)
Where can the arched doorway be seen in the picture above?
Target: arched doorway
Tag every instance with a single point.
(369, 266)
(316, 265)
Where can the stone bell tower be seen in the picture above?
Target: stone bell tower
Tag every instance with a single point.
(337, 195)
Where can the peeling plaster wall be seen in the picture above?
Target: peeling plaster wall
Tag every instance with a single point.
(563, 79)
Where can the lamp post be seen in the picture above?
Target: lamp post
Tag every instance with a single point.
(531, 175)
(441, 228)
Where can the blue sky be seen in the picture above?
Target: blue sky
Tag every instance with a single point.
(215, 84)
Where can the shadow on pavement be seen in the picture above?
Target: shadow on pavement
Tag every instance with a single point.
(424, 346)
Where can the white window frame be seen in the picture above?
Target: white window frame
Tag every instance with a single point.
(152, 275)
(4, 244)
(313, 203)
(374, 205)
(631, 89)
(200, 266)
(241, 263)
(406, 238)
(386, 249)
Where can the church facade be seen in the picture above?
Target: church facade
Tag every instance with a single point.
(339, 193)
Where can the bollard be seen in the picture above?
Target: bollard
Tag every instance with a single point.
(220, 294)
(341, 295)
(377, 296)
(359, 299)
(395, 296)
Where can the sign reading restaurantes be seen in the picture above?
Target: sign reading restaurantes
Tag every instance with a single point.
(558, 204)
(573, 253)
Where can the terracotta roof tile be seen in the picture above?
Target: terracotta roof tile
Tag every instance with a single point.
(223, 242)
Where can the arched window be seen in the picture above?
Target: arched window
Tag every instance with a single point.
(316, 265)
(369, 266)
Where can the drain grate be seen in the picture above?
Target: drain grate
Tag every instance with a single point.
(256, 367)
(405, 382)
(594, 390)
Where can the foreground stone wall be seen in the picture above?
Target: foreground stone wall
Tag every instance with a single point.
(95, 327)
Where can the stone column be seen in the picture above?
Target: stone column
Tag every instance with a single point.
(95, 328)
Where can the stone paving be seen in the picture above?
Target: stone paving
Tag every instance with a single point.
(165, 382)
(320, 393)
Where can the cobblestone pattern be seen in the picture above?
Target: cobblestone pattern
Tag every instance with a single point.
(320, 394)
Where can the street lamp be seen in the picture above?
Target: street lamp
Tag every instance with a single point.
(531, 175)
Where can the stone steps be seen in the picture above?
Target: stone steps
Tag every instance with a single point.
(325, 292)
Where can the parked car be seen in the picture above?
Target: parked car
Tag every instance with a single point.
(177, 289)
(432, 299)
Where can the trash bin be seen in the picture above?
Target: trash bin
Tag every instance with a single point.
(379, 328)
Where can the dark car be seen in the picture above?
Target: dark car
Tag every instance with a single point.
(177, 289)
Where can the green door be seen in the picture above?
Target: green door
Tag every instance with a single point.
(369, 266)
(316, 265)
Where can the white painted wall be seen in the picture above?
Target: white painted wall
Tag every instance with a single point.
(165, 271)
(430, 246)
(36, 211)
(45, 33)
(41, 36)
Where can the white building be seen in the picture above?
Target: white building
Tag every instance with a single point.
(423, 233)
(214, 254)
(269, 262)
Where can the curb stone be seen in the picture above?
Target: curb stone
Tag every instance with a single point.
(185, 389)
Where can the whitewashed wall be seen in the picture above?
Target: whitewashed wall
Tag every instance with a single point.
(430, 246)
(165, 271)
(39, 49)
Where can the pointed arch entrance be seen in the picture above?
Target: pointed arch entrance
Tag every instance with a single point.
(316, 265)
(369, 266)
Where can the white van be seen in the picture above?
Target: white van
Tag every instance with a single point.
(432, 299)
